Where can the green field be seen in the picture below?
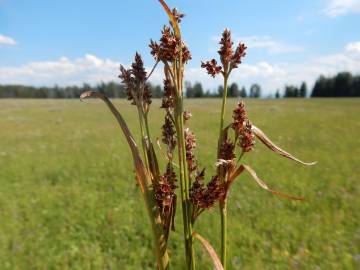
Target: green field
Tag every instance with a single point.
(68, 198)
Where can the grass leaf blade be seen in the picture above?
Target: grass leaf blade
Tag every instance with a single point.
(172, 18)
(210, 250)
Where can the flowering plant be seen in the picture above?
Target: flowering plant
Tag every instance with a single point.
(158, 186)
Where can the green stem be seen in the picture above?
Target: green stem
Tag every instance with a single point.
(143, 138)
(222, 205)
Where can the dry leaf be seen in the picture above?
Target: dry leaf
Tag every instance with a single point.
(210, 250)
(265, 140)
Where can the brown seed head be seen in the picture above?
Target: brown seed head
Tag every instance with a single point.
(239, 53)
(214, 192)
(164, 190)
(226, 51)
(227, 150)
(178, 16)
(197, 189)
(169, 136)
(190, 144)
(239, 117)
(187, 115)
(134, 80)
(211, 67)
(247, 138)
(169, 47)
(169, 96)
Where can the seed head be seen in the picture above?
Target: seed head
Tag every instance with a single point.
(178, 16)
(247, 138)
(227, 150)
(190, 144)
(226, 52)
(211, 67)
(239, 116)
(169, 47)
(134, 80)
(169, 97)
(169, 136)
(239, 53)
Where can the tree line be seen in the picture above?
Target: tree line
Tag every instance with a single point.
(344, 84)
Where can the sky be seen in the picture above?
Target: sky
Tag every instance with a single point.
(63, 42)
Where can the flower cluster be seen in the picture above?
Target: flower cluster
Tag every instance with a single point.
(169, 136)
(169, 97)
(134, 80)
(227, 150)
(211, 67)
(190, 144)
(169, 47)
(164, 190)
(204, 198)
(228, 57)
(242, 127)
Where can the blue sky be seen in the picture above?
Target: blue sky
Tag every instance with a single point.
(71, 42)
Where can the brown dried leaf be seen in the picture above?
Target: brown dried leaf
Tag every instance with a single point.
(210, 250)
(172, 18)
(265, 140)
(262, 184)
(142, 175)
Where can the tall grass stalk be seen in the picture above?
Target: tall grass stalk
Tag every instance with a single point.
(158, 185)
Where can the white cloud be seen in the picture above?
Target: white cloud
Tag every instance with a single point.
(336, 8)
(271, 76)
(265, 42)
(4, 40)
(63, 71)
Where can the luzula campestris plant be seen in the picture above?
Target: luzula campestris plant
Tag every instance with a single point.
(158, 187)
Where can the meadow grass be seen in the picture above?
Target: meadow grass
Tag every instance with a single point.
(69, 200)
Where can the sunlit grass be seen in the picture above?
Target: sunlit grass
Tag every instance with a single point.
(64, 167)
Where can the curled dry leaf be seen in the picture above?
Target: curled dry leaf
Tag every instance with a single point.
(265, 140)
(262, 184)
(144, 181)
(210, 250)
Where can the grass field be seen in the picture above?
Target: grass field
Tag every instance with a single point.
(68, 198)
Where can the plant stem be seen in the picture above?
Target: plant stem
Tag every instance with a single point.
(222, 204)
(143, 142)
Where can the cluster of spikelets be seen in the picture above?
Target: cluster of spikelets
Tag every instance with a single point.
(158, 185)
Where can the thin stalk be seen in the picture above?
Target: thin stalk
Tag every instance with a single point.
(187, 194)
(222, 205)
(143, 138)
(184, 174)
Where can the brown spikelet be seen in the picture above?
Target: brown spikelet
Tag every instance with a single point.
(247, 138)
(239, 117)
(239, 53)
(169, 96)
(134, 80)
(226, 51)
(190, 144)
(169, 136)
(211, 67)
(227, 150)
(177, 15)
(169, 47)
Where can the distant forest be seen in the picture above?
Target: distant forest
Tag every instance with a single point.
(344, 84)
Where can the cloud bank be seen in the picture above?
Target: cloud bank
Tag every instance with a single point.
(92, 69)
